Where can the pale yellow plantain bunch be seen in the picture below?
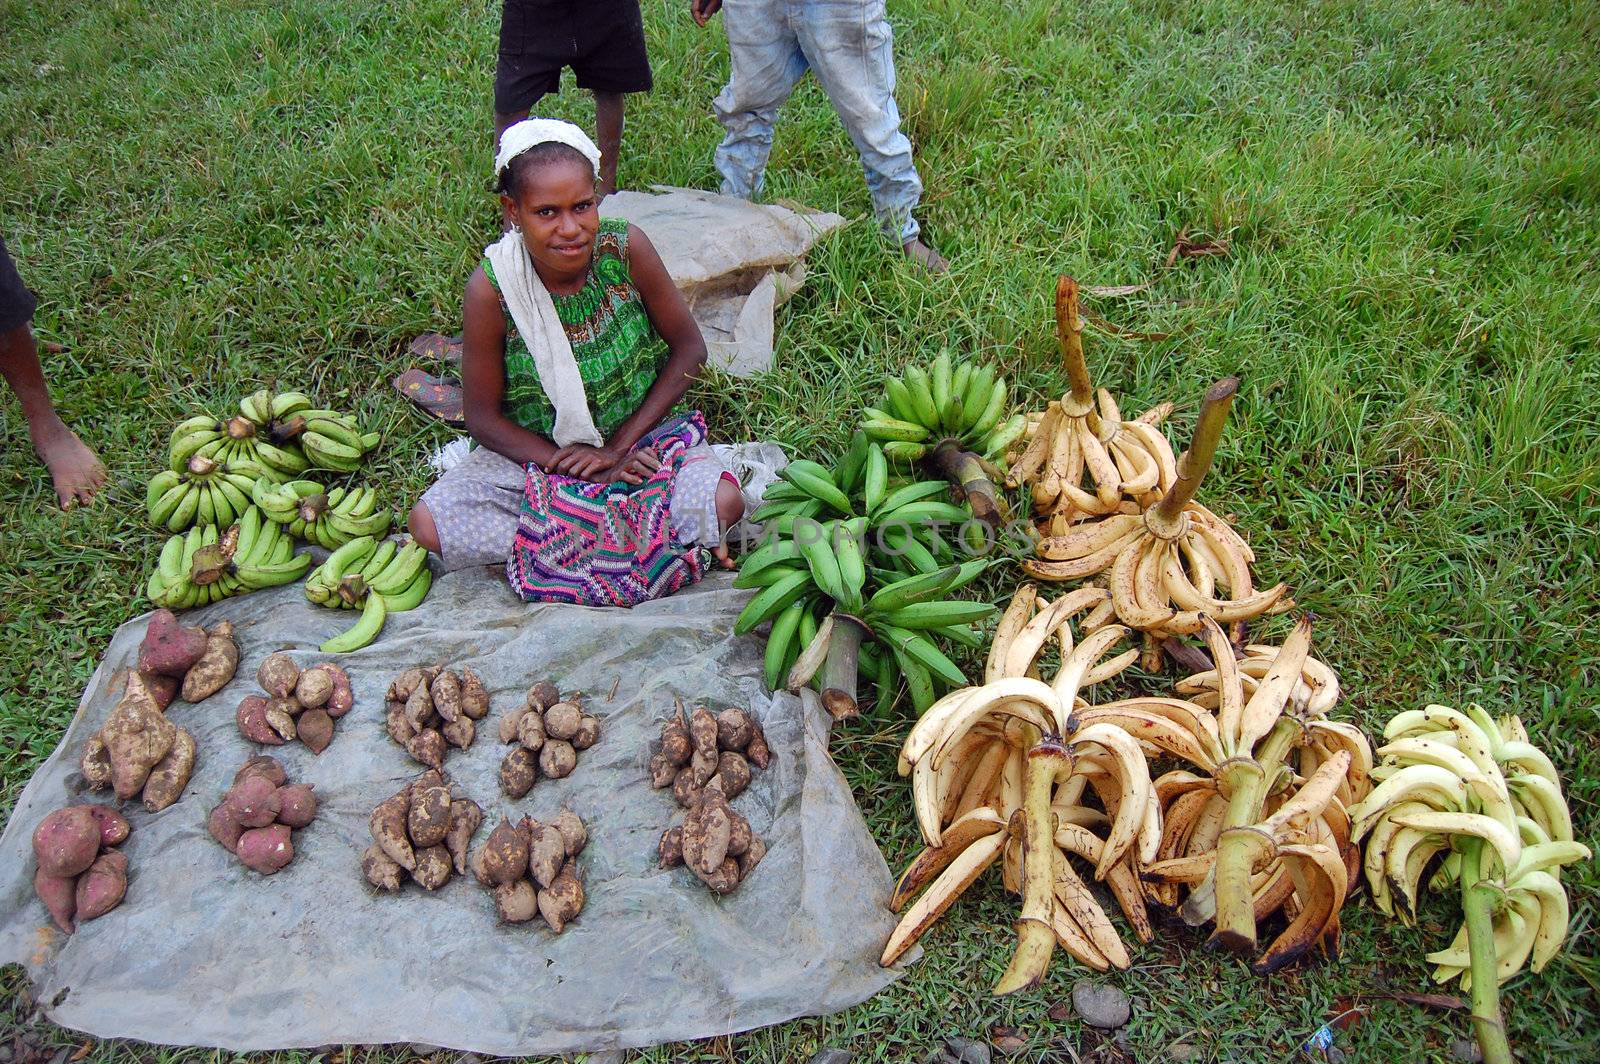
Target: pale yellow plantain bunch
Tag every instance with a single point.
(1006, 771)
(1257, 824)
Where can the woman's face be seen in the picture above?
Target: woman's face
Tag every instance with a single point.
(556, 210)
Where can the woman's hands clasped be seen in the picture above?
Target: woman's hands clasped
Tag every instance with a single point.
(605, 465)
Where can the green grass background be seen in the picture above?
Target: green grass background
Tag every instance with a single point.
(212, 195)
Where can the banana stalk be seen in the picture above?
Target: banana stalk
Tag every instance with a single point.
(1047, 761)
(1477, 906)
(965, 470)
(839, 668)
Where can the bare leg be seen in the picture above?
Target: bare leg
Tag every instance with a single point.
(422, 528)
(608, 107)
(75, 469)
(924, 256)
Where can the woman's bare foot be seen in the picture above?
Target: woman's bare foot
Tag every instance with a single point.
(76, 470)
(924, 256)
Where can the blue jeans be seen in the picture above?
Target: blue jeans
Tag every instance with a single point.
(849, 45)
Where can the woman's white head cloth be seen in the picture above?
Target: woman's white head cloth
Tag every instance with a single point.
(531, 132)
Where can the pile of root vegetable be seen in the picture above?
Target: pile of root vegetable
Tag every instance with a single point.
(237, 495)
(422, 832)
(80, 874)
(531, 869)
(1230, 798)
(298, 704)
(429, 710)
(256, 819)
(706, 760)
(546, 732)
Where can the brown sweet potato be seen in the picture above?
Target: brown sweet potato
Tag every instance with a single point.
(661, 771)
(757, 752)
(168, 779)
(388, 827)
(531, 731)
(400, 729)
(519, 771)
(431, 778)
(675, 742)
(703, 731)
(751, 857)
(547, 852)
(460, 732)
(315, 729)
(267, 849)
(103, 886)
(557, 758)
(60, 897)
(164, 689)
(707, 830)
(343, 699)
(739, 836)
(465, 816)
(734, 772)
(480, 868)
(723, 878)
(252, 721)
(137, 737)
(277, 674)
(433, 867)
(427, 746)
(510, 722)
(429, 818)
(401, 687)
(474, 695)
(562, 719)
(573, 832)
(684, 789)
(297, 805)
(733, 729)
(446, 694)
(280, 720)
(95, 763)
(516, 903)
(114, 827)
(224, 828)
(588, 732)
(266, 767)
(66, 841)
(314, 687)
(170, 649)
(703, 765)
(379, 869)
(419, 707)
(216, 666)
(253, 802)
(562, 901)
(670, 849)
(543, 695)
(505, 853)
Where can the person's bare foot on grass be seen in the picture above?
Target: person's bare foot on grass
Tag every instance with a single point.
(75, 469)
(924, 256)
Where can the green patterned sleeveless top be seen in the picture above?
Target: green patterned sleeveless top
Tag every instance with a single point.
(618, 351)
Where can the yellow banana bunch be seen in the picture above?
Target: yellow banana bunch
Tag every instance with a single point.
(1002, 772)
(1473, 792)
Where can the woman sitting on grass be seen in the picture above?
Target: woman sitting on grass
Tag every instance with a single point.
(576, 348)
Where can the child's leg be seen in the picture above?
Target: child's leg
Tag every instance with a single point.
(527, 66)
(766, 63)
(611, 61)
(608, 108)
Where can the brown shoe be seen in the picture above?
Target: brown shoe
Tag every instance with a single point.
(924, 256)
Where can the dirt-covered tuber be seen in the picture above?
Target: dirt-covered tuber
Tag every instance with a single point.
(79, 876)
(424, 831)
(548, 732)
(530, 868)
(257, 816)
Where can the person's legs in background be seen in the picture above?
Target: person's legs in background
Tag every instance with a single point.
(766, 64)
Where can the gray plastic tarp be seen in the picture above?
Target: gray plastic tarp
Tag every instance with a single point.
(206, 952)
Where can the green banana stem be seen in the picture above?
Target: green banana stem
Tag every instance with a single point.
(1069, 332)
(1477, 905)
(965, 470)
(1196, 461)
(1036, 936)
(1238, 850)
(841, 666)
(240, 428)
(284, 431)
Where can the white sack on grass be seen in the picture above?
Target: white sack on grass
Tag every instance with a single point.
(205, 952)
(735, 261)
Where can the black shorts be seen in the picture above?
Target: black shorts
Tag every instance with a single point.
(16, 302)
(601, 40)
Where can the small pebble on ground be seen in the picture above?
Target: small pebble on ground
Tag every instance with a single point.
(1100, 1005)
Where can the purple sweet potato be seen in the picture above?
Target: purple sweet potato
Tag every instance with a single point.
(315, 729)
(252, 721)
(164, 689)
(60, 897)
(102, 887)
(253, 802)
(114, 827)
(170, 649)
(297, 805)
(267, 849)
(343, 699)
(66, 841)
(224, 828)
(216, 666)
(264, 766)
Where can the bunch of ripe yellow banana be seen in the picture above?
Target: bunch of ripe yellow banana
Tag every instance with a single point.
(203, 492)
(966, 403)
(1461, 786)
(1014, 771)
(327, 517)
(1081, 458)
(377, 577)
(1258, 821)
(208, 564)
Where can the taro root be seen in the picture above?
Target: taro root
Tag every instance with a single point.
(216, 666)
(427, 746)
(314, 687)
(547, 852)
(297, 805)
(516, 903)
(266, 767)
(429, 818)
(343, 698)
(562, 719)
(465, 816)
(573, 831)
(513, 720)
(102, 887)
(445, 693)
(557, 758)
(588, 732)
(505, 854)
(519, 772)
(562, 902)
(168, 779)
(380, 871)
(474, 695)
(267, 849)
(734, 772)
(460, 732)
(253, 802)
(278, 675)
(170, 649)
(67, 841)
(315, 729)
(252, 721)
(733, 729)
(433, 867)
(671, 847)
(543, 695)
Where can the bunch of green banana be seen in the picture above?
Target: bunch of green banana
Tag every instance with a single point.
(280, 415)
(1472, 789)
(378, 577)
(328, 518)
(331, 440)
(203, 491)
(236, 442)
(207, 564)
(965, 402)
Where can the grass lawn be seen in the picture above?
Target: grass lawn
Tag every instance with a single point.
(211, 194)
